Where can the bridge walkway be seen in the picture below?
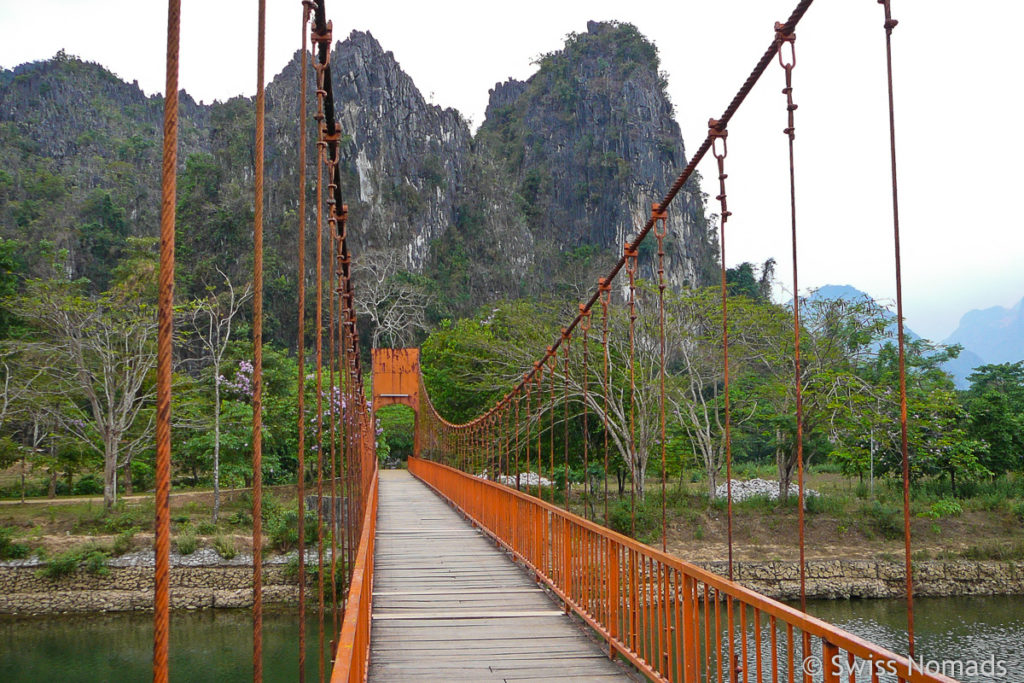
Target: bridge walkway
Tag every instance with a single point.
(449, 605)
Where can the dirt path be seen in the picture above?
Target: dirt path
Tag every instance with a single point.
(202, 496)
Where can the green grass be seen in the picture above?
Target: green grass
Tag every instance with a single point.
(995, 551)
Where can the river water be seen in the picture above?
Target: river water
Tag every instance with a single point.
(211, 645)
(216, 645)
(983, 630)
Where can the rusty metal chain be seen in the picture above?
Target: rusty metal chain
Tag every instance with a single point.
(630, 253)
(660, 217)
(720, 149)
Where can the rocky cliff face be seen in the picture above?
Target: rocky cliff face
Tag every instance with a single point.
(590, 143)
(406, 158)
(564, 167)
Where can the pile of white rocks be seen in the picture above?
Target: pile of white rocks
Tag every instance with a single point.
(751, 488)
(525, 479)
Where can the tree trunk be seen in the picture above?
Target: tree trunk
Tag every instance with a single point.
(23, 477)
(712, 484)
(216, 443)
(784, 466)
(639, 478)
(110, 473)
(51, 492)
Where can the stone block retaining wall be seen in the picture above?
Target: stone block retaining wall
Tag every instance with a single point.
(124, 588)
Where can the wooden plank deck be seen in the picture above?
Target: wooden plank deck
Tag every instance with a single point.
(448, 605)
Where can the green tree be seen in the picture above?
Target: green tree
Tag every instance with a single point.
(995, 409)
(101, 351)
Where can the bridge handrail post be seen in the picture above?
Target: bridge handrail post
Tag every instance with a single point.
(829, 661)
(567, 560)
(689, 630)
(612, 595)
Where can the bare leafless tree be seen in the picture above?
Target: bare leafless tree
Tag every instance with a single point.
(211, 319)
(389, 298)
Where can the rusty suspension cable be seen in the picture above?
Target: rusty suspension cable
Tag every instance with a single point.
(307, 7)
(165, 335)
(257, 343)
(889, 25)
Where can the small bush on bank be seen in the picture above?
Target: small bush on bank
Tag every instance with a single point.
(186, 543)
(124, 542)
(9, 550)
(206, 528)
(225, 547)
(885, 520)
(647, 517)
(943, 508)
(92, 557)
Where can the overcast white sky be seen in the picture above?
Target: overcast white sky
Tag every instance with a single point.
(958, 112)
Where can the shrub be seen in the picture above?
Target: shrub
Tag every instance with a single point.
(93, 557)
(123, 520)
(1018, 510)
(88, 485)
(206, 528)
(240, 518)
(647, 518)
(884, 520)
(283, 529)
(9, 550)
(125, 541)
(95, 561)
(186, 543)
(64, 564)
(225, 547)
(944, 508)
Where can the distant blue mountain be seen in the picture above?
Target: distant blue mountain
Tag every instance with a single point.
(991, 335)
(851, 293)
(962, 366)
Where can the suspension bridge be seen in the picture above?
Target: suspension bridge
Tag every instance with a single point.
(459, 568)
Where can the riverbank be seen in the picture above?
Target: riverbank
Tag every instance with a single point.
(201, 580)
(204, 580)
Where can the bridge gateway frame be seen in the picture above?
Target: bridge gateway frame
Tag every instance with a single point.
(396, 381)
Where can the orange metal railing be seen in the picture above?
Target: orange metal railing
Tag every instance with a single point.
(673, 620)
(353, 654)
